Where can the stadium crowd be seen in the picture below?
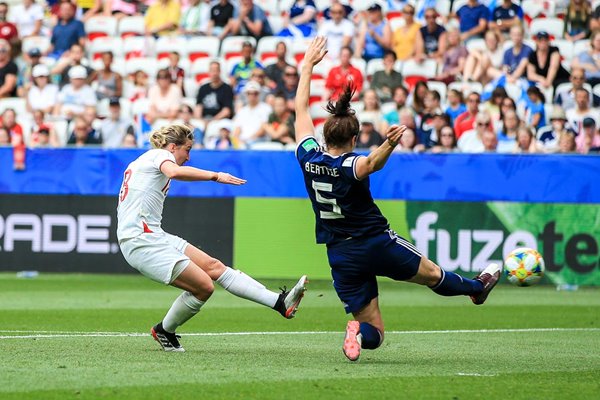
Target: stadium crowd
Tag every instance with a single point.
(463, 75)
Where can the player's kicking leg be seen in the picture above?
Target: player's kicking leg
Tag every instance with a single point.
(244, 286)
(198, 287)
(364, 332)
(447, 283)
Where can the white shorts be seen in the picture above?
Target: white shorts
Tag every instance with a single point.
(159, 256)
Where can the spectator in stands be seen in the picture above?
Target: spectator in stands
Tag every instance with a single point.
(409, 142)
(404, 116)
(124, 8)
(162, 18)
(8, 71)
(24, 78)
(258, 76)
(275, 71)
(368, 138)
(42, 138)
(595, 19)
(514, 62)
(241, 71)
(508, 104)
(454, 58)
(433, 36)
(28, 18)
(43, 133)
(588, 138)
(74, 57)
(165, 98)
(466, 121)
(83, 134)
(9, 122)
(8, 30)
(590, 60)
(400, 97)
(472, 141)
(535, 115)
(432, 119)
(371, 110)
(249, 119)
(301, 21)
(526, 142)
(385, 81)
(549, 135)
(4, 137)
(280, 125)
(566, 143)
(289, 86)
(90, 8)
(565, 97)
(456, 105)
(215, 98)
(195, 20)
(129, 141)
(507, 133)
(220, 17)
(446, 142)
(416, 99)
(177, 73)
(505, 16)
(494, 103)
(140, 86)
(544, 67)
(484, 64)
(407, 41)
(340, 75)
(248, 20)
(577, 20)
(43, 94)
(114, 127)
(348, 10)
(582, 110)
(473, 17)
(374, 34)
(67, 32)
(339, 32)
(185, 115)
(109, 82)
(489, 141)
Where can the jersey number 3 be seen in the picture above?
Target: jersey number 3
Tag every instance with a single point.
(327, 188)
(125, 187)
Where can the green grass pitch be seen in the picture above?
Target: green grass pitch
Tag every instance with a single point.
(65, 336)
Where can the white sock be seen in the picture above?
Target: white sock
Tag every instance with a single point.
(184, 307)
(238, 283)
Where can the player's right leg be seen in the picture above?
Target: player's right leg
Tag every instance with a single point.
(238, 283)
(365, 331)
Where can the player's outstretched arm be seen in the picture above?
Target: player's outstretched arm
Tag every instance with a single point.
(365, 166)
(315, 53)
(181, 173)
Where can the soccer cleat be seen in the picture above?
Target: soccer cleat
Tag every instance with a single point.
(288, 301)
(168, 341)
(489, 277)
(352, 341)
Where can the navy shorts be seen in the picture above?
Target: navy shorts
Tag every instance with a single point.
(355, 264)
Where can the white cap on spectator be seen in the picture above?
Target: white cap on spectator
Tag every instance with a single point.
(77, 72)
(251, 86)
(40, 70)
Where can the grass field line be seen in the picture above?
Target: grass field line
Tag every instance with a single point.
(20, 334)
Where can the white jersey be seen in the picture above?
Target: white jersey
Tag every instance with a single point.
(142, 195)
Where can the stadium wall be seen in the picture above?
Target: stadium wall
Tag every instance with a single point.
(461, 210)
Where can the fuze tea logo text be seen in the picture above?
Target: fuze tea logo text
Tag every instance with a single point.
(578, 252)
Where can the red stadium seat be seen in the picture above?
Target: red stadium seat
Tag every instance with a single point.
(105, 44)
(100, 26)
(138, 46)
(232, 46)
(199, 69)
(202, 47)
(167, 44)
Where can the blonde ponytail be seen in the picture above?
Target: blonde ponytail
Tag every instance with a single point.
(177, 134)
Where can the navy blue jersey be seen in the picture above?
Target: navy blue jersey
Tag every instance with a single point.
(343, 204)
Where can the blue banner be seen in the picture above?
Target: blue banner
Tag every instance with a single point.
(434, 177)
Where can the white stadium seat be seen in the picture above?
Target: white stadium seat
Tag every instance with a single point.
(16, 103)
(100, 26)
(36, 42)
(148, 65)
(202, 47)
(232, 46)
(554, 26)
(104, 44)
(131, 26)
(167, 44)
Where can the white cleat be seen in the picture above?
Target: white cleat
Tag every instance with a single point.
(291, 299)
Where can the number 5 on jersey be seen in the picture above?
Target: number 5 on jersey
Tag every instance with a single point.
(327, 188)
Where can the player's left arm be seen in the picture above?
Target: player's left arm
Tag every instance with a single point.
(182, 173)
(315, 53)
(375, 161)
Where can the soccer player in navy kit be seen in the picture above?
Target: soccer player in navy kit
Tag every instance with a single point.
(360, 243)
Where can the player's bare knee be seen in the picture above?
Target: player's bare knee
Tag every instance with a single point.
(204, 290)
(214, 268)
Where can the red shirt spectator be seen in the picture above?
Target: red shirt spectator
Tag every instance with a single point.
(466, 121)
(339, 76)
(8, 31)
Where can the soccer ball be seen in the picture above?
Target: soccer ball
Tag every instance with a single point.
(524, 267)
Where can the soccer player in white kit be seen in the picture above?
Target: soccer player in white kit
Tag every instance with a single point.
(169, 259)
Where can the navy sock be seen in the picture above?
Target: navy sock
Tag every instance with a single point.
(453, 284)
(371, 337)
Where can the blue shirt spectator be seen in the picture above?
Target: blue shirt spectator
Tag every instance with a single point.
(472, 15)
(502, 13)
(67, 31)
(512, 60)
(254, 13)
(303, 22)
